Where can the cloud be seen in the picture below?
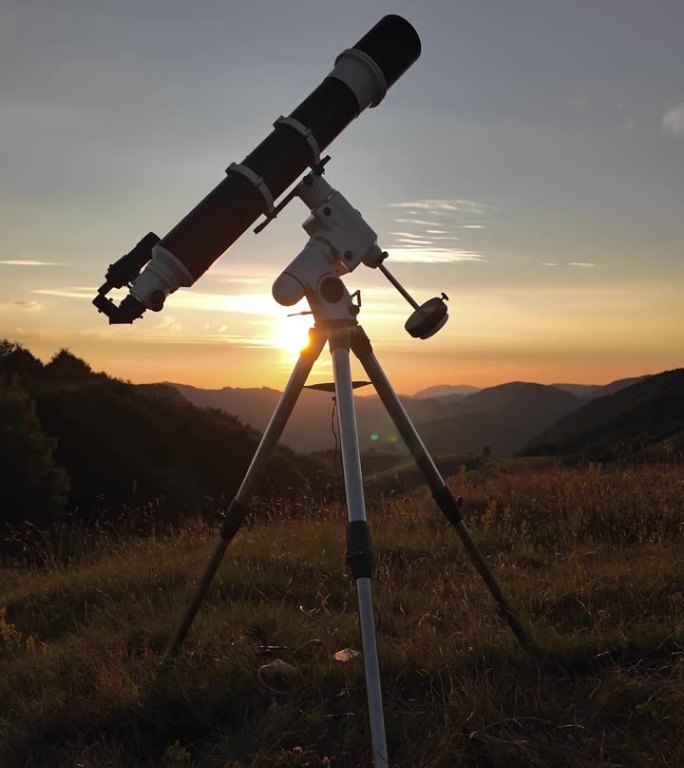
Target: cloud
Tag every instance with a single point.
(245, 303)
(408, 235)
(28, 306)
(28, 263)
(244, 280)
(76, 292)
(673, 121)
(422, 222)
(169, 323)
(432, 255)
(424, 240)
(583, 264)
(440, 207)
(549, 264)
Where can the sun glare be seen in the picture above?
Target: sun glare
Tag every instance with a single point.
(291, 334)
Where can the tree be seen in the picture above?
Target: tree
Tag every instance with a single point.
(17, 361)
(31, 486)
(66, 367)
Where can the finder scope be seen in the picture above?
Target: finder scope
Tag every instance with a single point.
(360, 78)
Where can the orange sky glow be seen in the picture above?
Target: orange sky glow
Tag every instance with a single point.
(530, 164)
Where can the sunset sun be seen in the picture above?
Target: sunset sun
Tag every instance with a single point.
(291, 334)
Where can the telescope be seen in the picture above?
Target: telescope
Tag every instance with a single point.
(360, 78)
(339, 240)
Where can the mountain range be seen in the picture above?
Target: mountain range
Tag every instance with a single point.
(502, 420)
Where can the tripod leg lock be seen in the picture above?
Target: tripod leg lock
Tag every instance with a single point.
(359, 550)
(450, 506)
(235, 516)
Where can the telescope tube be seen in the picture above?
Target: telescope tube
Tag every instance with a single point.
(360, 79)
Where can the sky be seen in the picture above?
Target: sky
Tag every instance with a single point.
(530, 165)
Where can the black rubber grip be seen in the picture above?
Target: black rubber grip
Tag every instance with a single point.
(359, 550)
(235, 517)
(450, 506)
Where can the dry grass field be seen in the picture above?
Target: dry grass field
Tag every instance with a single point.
(592, 559)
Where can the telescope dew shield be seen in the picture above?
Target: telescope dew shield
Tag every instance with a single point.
(360, 79)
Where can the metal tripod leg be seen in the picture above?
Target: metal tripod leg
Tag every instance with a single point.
(450, 506)
(359, 553)
(237, 510)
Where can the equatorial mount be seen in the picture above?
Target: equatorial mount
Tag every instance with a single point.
(339, 241)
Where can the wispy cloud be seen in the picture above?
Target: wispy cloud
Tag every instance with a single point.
(27, 306)
(408, 235)
(439, 207)
(416, 254)
(422, 222)
(429, 228)
(75, 292)
(27, 263)
(246, 303)
(673, 121)
(583, 264)
(245, 280)
(169, 323)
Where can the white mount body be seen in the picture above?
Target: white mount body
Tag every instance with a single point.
(339, 240)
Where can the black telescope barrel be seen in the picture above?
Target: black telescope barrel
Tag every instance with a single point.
(235, 203)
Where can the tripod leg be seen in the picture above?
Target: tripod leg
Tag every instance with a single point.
(450, 506)
(359, 552)
(238, 509)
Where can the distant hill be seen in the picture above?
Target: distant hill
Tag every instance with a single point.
(442, 390)
(310, 425)
(616, 386)
(644, 416)
(588, 391)
(501, 418)
(581, 390)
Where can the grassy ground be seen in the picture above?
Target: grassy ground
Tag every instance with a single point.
(591, 559)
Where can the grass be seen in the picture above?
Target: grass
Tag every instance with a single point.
(590, 558)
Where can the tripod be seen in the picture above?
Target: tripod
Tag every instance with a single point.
(315, 272)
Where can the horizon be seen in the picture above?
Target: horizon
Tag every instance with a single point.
(535, 174)
(360, 392)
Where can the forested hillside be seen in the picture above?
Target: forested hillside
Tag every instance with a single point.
(644, 418)
(78, 441)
